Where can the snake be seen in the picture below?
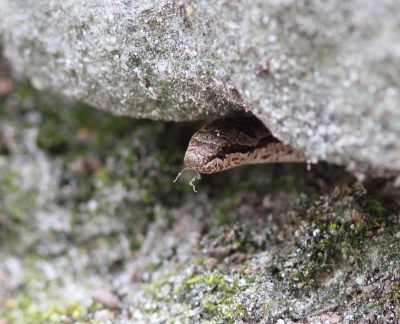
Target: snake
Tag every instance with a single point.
(230, 142)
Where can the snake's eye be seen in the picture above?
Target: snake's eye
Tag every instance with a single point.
(221, 151)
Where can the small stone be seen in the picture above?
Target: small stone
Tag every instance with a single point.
(86, 164)
(221, 252)
(387, 286)
(288, 264)
(211, 263)
(134, 276)
(106, 297)
(372, 318)
(330, 318)
(369, 289)
(104, 315)
(6, 86)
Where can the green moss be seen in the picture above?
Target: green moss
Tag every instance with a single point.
(193, 280)
(26, 309)
(79, 129)
(211, 304)
(19, 201)
(373, 206)
(154, 286)
(218, 293)
(333, 234)
(26, 304)
(25, 91)
(216, 280)
(220, 216)
(10, 180)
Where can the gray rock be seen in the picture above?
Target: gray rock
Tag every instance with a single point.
(322, 76)
(89, 212)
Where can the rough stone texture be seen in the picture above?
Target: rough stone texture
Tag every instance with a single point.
(323, 76)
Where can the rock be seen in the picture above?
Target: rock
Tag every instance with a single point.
(372, 317)
(322, 77)
(106, 297)
(330, 318)
(369, 289)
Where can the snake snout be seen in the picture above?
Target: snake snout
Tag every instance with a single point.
(192, 160)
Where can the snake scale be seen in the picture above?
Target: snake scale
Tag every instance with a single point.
(234, 141)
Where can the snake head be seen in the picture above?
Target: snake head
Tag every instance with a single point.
(198, 158)
(223, 143)
(230, 142)
(206, 150)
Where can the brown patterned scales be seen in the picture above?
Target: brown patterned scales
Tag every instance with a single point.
(230, 142)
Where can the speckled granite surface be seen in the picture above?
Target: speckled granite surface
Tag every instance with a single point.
(322, 76)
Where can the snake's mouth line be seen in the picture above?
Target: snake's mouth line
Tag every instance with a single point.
(229, 151)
